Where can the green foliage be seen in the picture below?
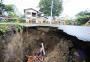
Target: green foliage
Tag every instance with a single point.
(10, 11)
(3, 28)
(2, 8)
(18, 27)
(45, 7)
(9, 8)
(20, 20)
(68, 22)
(83, 17)
(84, 13)
(82, 20)
(12, 14)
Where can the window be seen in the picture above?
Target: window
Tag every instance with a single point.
(28, 13)
(34, 14)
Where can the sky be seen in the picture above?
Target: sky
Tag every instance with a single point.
(70, 7)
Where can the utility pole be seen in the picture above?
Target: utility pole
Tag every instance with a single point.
(51, 8)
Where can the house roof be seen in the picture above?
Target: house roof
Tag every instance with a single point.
(31, 9)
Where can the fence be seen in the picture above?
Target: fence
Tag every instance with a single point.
(45, 21)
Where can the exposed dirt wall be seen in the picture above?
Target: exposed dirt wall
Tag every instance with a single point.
(56, 43)
(59, 46)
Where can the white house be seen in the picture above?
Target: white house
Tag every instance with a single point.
(31, 14)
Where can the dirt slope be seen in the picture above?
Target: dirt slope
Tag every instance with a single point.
(59, 46)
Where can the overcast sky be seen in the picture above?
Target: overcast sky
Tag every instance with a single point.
(70, 7)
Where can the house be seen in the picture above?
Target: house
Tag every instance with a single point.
(31, 14)
(34, 16)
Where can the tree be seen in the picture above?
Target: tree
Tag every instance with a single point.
(2, 7)
(9, 8)
(5, 8)
(83, 17)
(45, 7)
